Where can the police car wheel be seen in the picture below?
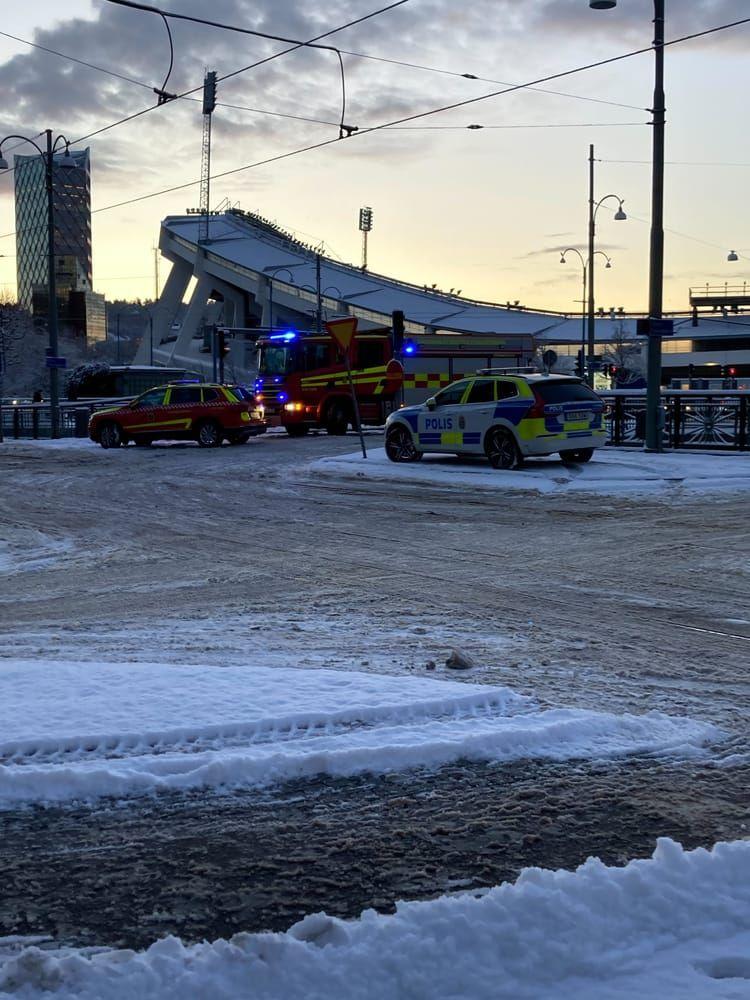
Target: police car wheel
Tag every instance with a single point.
(577, 456)
(501, 449)
(399, 445)
(110, 436)
(209, 435)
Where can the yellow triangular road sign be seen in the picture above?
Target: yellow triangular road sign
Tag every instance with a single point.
(343, 331)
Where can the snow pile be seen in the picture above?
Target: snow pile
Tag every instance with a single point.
(612, 471)
(673, 927)
(80, 730)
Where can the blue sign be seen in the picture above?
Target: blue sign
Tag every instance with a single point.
(52, 362)
(654, 327)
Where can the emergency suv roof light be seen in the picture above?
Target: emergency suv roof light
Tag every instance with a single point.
(287, 335)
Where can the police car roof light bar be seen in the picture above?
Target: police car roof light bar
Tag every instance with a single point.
(516, 370)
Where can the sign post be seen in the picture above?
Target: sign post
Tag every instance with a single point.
(343, 332)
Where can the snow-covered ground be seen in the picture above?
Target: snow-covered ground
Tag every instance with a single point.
(612, 471)
(72, 731)
(672, 927)
(24, 549)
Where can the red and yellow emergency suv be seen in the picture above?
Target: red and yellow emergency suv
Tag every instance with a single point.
(303, 382)
(208, 414)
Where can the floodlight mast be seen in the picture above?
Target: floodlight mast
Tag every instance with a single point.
(365, 226)
(209, 103)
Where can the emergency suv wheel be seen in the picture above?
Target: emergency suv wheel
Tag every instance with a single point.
(399, 445)
(209, 434)
(337, 418)
(577, 456)
(297, 430)
(501, 449)
(110, 436)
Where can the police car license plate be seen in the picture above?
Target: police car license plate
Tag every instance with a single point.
(578, 415)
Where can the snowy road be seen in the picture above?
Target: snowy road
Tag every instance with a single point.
(221, 559)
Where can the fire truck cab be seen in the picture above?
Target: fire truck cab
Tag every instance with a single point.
(303, 382)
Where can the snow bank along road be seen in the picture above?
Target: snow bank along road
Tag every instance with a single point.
(671, 927)
(604, 607)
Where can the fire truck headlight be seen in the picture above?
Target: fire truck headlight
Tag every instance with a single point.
(294, 407)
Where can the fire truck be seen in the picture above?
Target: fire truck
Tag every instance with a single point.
(303, 381)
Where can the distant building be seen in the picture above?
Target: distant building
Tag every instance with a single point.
(80, 310)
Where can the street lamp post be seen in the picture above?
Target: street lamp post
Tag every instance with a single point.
(272, 272)
(584, 270)
(67, 161)
(656, 265)
(620, 216)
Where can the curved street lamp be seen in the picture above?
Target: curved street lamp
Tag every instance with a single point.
(272, 272)
(620, 216)
(67, 161)
(584, 269)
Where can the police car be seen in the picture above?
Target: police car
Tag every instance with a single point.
(506, 415)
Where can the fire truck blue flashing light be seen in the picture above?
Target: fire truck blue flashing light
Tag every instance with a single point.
(287, 335)
(283, 397)
(410, 347)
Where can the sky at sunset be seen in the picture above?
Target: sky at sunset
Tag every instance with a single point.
(484, 210)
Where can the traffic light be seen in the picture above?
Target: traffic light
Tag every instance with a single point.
(580, 367)
(223, 347)
(398, 331)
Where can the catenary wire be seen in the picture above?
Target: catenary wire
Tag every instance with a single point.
(359, 55)
(376, 128)
(244, 69)
(424, 114)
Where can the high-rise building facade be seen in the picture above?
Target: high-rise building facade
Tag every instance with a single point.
(71, 192)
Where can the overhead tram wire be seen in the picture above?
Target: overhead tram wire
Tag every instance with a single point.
(486, 79)
(245, 69)
(448, 107)
(323, 121)
(400, 121)
(317, 121)
(146, 86)
(453, 128)
(424, 114)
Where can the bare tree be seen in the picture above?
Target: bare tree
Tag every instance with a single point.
(624, 351)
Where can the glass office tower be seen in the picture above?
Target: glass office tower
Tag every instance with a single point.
(71, 188)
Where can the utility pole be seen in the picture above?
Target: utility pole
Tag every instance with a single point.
(54, 383)
(591, 347)
(209, 103)
(656, 269)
